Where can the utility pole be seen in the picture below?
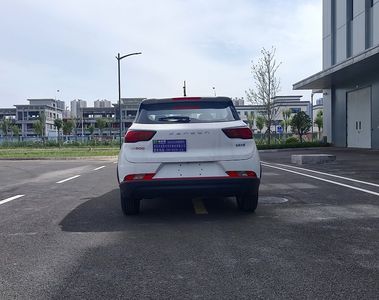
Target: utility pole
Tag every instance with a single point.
(119, 99)
(184, 89)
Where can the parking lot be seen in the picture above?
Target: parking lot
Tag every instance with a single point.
(315, 234)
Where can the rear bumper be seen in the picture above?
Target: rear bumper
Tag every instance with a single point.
(189, 187)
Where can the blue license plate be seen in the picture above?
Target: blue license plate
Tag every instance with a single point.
(169, 145)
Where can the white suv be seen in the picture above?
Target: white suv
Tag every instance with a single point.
(188, 146)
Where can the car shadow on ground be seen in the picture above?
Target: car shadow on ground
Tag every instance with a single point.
(103, 213)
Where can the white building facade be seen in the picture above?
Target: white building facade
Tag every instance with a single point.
(350, 77)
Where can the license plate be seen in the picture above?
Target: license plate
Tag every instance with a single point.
(169, 145)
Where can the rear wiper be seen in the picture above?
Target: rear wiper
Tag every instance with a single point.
(177, 119)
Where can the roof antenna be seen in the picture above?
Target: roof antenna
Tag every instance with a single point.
(184, 89)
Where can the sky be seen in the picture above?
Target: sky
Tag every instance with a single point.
(70, 46)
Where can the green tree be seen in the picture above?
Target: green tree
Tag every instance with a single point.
(267, 85)
(16, 131)
(250, 117)
(5, 127)
(42, 119)
(260, 122)
(68, 126)
(301, 123)
(101, 123)
(58, 123)
(38, 128)
(319, 121)
(91, 130)
(286, 119)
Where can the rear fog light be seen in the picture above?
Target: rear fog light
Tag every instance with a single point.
(131, 177)
(238, 174)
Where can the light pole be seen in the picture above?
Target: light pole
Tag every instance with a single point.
(118, 57)
(214, 91)
(56, 112)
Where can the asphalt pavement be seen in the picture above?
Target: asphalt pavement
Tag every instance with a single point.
(314, 235)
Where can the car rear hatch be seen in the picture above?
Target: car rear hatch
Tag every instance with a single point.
(175, 131)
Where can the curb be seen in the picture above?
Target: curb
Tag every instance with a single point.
(291, 149)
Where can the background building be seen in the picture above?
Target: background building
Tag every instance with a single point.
(8, 113)
(26, 115)
(238, 101)
(102, 103)
(129, 108)
(281, 103)
(350, 77)
(76, 106)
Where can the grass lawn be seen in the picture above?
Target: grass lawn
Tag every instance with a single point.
(27, 153)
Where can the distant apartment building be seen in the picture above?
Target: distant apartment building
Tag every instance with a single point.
(350, 78)
(76, 107)
(238, 101)
(102, 103)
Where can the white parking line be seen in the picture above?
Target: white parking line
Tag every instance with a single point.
(331, 175)
(67, 179)
(11, 198)
(322, 179)
(99, 168)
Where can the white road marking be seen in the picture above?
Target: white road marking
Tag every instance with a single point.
(331, 175)
(115, 162)
(322, 179)
(270, 174)
(10, 199)
(99, 168)
(67, 179)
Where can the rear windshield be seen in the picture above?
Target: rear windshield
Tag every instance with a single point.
(198, 112)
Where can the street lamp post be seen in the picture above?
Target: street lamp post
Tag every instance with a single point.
(118, 57)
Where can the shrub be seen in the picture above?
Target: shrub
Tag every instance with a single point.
(292, 140)
(292, 145)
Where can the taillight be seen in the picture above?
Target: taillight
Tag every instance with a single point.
(238, 133)
(236, 174)
(147, 176)
(134, 136)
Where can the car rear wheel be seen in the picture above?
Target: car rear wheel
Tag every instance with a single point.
(248, 202)
(129, 205)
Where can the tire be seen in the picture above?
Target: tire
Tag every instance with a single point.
(248, 202)
(129, 206)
